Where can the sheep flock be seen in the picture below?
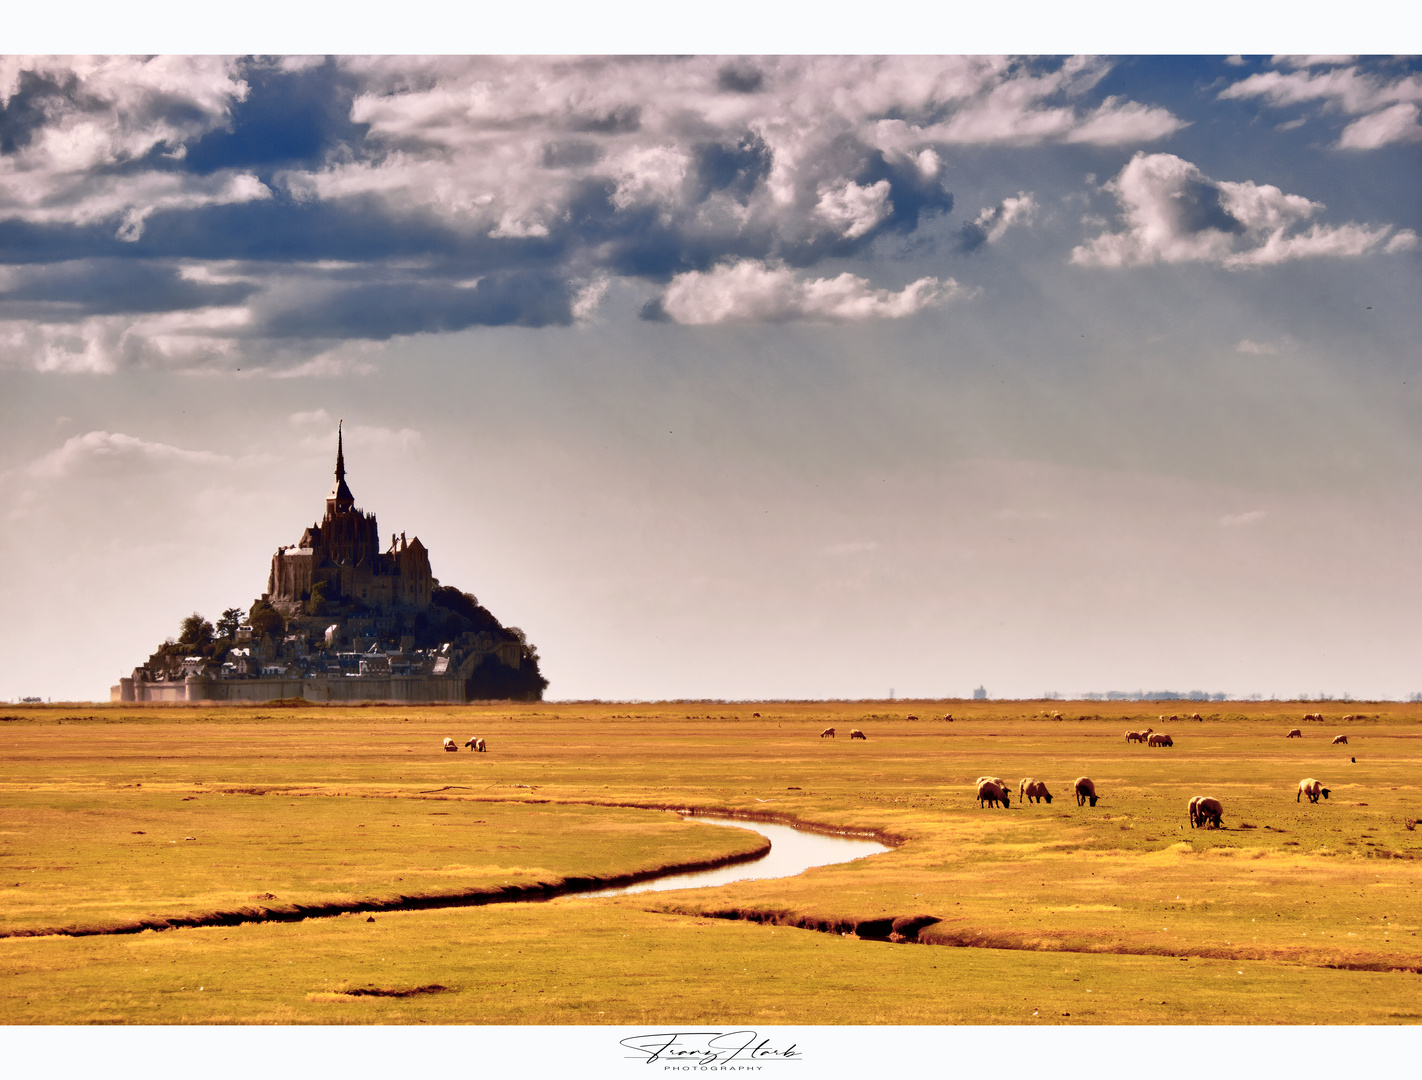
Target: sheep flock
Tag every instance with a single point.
(1203, 811)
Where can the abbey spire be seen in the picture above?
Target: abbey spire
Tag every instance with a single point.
(340, 500)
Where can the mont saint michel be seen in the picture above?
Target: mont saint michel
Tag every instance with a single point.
(344, 620)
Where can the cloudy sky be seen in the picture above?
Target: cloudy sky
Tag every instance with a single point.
(731, 377)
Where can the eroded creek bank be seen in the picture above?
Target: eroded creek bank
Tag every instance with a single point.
(785, 850)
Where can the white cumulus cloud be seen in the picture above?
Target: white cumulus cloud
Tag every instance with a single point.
(1387, 107)
(751, 290)
(1397, 123)
(101, 344)
(994, 221)
(1172, 212)
(854, 209)
(98, 113)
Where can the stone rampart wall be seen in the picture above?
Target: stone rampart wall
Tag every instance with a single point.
(410, 688)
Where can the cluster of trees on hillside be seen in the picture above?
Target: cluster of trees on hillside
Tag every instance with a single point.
(461, 611)
(451, 614)
(198, 637)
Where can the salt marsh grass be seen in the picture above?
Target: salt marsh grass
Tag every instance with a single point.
(1293, 913)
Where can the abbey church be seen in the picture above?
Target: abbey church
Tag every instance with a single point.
(343, 552)
(344, 620)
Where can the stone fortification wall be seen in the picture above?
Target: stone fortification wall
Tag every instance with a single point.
(409, 688)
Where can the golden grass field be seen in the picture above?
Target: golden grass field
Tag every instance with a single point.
(120, 817)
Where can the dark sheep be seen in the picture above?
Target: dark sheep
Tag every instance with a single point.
(1210, 812)
(1031, 790)
(991, 793)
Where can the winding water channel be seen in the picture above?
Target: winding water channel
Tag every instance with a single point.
(792, 851)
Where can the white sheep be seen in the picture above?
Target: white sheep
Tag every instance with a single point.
(991, 793)
(855, 733)
(1160, 738)
(476, 744)
(1031, 790)
(1340, 740)
(1194, 810)
(449, 746)
(828, 733)
(1294, 733)
(1312, 788)
(1084, 789)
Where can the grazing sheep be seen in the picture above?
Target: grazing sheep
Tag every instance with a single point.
(828, 733)
(1294, 733)
(1194, 809)
(1340, 740)
(1197, 716)
(1032, 790)
(1348, 717)
(855, 733)
(991, 793)
(910, 717)
(999, 781)
(949, 718)
(1056, 716)
(1312, 788)
(1208, 811)
(1160, 738)
(476, 744)
(450, 746)
(1084, 789)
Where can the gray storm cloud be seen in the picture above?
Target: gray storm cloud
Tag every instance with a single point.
(364, 198)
